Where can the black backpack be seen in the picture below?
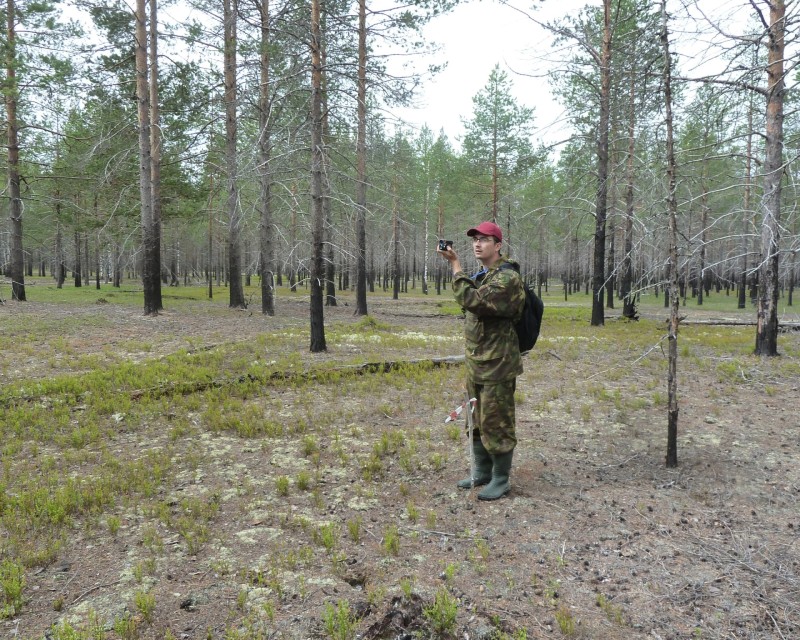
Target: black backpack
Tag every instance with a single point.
(529, 325)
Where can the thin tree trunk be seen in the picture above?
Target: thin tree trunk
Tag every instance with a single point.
(266, 234)
(211, 240)
(610, 282)
(330, 264)
(425, 250)
(601, 205)
(317, 206)
(145, 161)
(236, 291)
(293, 274)
(77, 269)
(747, 227)
(672, 207)
(767, 320)
(395, 243)
(97, 262)
(61, 268)
(17, 265)
(155, 158)
(361, 166)
(704, 211)
(626, 283)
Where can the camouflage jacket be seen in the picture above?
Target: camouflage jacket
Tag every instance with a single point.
(492, 301)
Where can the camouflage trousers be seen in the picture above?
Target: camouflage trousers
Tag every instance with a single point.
(494, 418)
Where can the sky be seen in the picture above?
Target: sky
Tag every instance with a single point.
(474, 38)
(478, 35)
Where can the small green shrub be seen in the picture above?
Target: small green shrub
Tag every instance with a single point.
(146, 604)
(340, 623)
(391, 541)
(441, 614)
(282, 486)
(12, 582)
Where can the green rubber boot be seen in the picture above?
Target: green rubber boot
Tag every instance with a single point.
(499, 485)
(483, 466)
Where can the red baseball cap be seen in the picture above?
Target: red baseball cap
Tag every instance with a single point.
(487, 229)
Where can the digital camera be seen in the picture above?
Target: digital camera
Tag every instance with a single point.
(445, 244)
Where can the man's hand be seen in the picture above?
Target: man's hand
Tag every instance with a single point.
(452, 257)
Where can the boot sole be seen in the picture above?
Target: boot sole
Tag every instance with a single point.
(490, 498)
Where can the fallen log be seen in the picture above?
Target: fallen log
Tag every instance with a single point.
(319, 373)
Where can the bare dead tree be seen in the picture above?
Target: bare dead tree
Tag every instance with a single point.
(361, 165)
(767, 323)
(317, 167)
(672, 210)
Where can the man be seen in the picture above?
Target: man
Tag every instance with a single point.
(492, 300)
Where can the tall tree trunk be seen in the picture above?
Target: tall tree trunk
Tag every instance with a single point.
(155, 157)
(61, 268)
(610, 282)
(426, 253)
(767, 321)
(97, 262)
(601, 205)
(626, 283)
(672, 208)
(317, 309)
(236, 291)
(330, 263)
(293, 242)
(747, 217)
(211, 239)
(266, 231)
(361, 165)
(395, 242)
(77, 270)
(151, 306)
(117, 277)
(495, 195)
(704, 212)
(17, 265)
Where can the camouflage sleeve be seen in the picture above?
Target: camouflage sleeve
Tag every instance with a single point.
(500, 295)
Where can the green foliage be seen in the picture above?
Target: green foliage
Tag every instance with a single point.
(327, 536)
(391, 540)
(565, 620)
(12, 582)
(145, 604)
(339, 622)
(441, 613)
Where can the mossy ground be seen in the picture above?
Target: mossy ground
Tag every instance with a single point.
(200, 474)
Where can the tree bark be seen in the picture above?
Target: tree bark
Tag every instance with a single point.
(317, 207)
(767, 322)
(626, 281)
(145, 161)
(61, 268)
(748, 181)
(672, 208)
(266, 231)
(17, 265)
(395, 242)
(236, 292)
(601, 204)
(361, 165)
(77, 269)
(330, 264)
(155, 160)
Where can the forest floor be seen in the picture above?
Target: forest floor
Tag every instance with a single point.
(299, 504)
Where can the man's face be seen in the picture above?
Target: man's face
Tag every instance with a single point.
(485, 248)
